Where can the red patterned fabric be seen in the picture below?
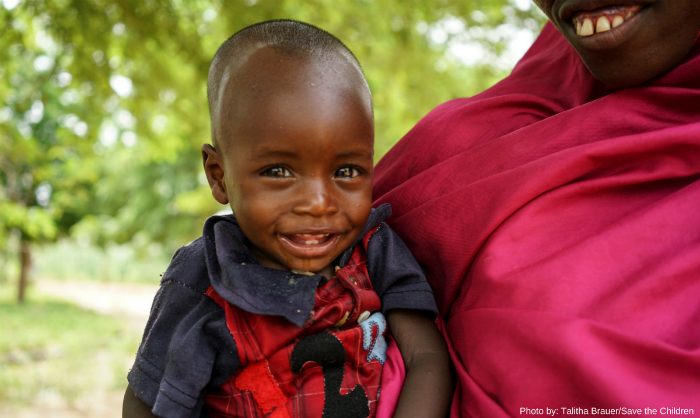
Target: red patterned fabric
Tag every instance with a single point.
(559, 223)
(266, 384)
(259, 381)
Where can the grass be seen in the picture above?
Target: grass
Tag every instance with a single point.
(48, 346)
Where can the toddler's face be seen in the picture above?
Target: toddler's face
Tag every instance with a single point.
(627, 42)
(298, 165)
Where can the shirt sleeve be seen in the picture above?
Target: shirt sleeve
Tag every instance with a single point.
(396, 276)
(186, 347)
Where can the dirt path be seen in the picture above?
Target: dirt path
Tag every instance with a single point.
(124, 300)
(130, 302)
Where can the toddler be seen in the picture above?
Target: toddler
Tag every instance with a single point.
(278, 310)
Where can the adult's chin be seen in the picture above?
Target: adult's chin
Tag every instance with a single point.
(620, 70)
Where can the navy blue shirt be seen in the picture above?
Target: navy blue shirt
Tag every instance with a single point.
(187, 348)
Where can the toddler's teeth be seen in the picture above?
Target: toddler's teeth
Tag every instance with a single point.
(310, 239)
(618, 21)
(603, 25)
(587, 27)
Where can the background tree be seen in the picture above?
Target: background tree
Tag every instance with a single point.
(105, 105)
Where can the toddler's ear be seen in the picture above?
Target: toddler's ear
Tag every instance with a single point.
(214, 170)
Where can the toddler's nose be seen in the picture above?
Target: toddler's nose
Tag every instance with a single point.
(316, 198)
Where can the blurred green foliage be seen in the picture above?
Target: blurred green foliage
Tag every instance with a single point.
(103, 105)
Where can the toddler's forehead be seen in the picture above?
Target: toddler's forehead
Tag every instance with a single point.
(268, 84)
(265, 69)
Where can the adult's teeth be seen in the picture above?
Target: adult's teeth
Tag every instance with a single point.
(603, 25)
(587, 27)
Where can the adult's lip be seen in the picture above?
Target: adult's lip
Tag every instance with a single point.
(309, 244)
(610, 39)
(568, 8)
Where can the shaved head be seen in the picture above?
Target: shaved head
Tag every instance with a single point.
(290, 40)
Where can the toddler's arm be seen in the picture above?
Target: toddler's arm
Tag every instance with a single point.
(133, 407)
(427, 391)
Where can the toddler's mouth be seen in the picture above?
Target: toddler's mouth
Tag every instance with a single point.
(309, 245)
(591, 22)
(308, 239)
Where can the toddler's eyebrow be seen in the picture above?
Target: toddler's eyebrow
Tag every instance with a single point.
(356, 154)
(268, 152)
(264, 153)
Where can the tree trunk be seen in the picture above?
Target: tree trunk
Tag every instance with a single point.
(25, 265)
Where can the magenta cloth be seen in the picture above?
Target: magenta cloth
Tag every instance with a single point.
(559, 222)
(393, 376)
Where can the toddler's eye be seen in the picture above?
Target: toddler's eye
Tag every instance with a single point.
(347, 172)
(277, 172)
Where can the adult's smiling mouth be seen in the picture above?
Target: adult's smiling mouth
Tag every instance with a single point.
(602, 24)
(309, 245)
(588, 23)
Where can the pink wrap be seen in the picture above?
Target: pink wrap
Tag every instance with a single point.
(559, 221)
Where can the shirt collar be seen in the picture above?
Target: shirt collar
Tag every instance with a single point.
(238, 277)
